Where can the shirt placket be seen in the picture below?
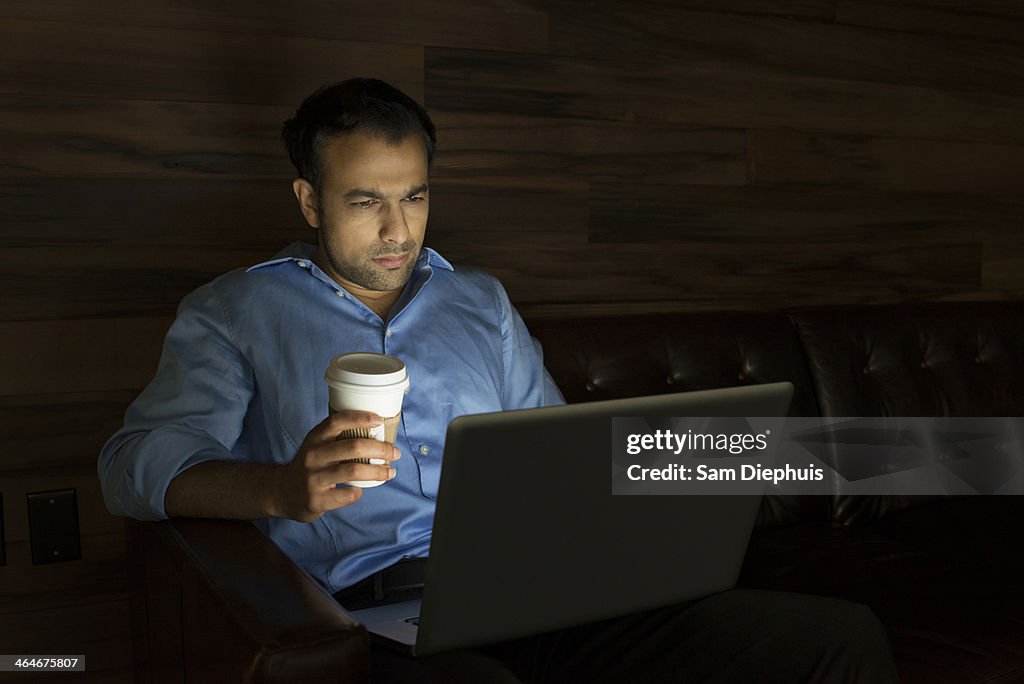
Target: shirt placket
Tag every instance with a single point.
(389, 339)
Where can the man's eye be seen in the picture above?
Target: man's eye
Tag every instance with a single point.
(365, 204)
(415, 198)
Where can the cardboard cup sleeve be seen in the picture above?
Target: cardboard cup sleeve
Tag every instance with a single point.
(390, 428)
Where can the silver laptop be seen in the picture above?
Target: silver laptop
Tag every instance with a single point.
(528, 538)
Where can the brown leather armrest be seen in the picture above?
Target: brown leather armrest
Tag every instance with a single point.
(217, 601)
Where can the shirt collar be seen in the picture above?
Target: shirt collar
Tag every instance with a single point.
(304, 252)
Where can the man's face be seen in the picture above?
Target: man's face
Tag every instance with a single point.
(372, 210)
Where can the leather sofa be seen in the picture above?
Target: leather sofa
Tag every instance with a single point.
(216, 601)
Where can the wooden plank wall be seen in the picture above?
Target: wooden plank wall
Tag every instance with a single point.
(598, 156)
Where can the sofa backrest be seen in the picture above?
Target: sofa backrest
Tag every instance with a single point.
(949, 359)
(614, 357)
(940, 359)
(627, 356)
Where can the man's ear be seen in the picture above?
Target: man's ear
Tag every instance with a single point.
(308, 203)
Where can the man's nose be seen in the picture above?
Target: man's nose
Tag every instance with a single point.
(394, 227)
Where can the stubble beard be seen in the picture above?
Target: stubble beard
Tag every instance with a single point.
(368, 275)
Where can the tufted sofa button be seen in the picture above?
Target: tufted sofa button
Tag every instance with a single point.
(590, 386)
(741, 376)
(924, 364)
(670, 380)
(867, 370)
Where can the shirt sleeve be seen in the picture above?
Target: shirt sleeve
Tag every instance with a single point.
(527, 384)
(192, 411)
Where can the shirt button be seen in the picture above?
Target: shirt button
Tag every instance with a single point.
(388, 333)
(340, 293)
(424, 449)
(303, 264)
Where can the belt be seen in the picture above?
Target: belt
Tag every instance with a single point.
(402, 581)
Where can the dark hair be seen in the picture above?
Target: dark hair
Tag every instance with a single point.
(356, 104)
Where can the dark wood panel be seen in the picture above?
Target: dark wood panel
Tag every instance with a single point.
(90, 60)
(471, 212)
(47, 431)
(126, 280)
(562, 310)
(484, 24)
(93, 213)
(493, 145)
(609, 89)
(771, 276)
(100, 576)
(79, 355)
(1004, 262)
(781, 157)
(147, 271)
(960, 19)
(90, 137)
(758, 44)
(813, 9)
(89, 216)
(98, 630)
(94, 281)
(1000, 8)
(80, 137)
(75, 137)
(525, 266)
(722, 276)
(807, 215)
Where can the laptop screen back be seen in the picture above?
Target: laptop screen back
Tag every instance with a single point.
(528, 537)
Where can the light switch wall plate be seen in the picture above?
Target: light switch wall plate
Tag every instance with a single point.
(53, 526)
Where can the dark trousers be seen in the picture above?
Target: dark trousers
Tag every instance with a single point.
(733, 637)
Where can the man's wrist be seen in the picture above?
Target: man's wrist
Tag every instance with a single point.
(270, 491)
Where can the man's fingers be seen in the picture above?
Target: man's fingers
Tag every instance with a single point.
(349, 450)
(341, 497)
(338, 422)
(347, 472)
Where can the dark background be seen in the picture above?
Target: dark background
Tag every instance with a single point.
(599, 157)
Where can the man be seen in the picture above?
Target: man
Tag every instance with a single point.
(233, 425)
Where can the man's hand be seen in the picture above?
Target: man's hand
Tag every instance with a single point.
(306, 487)
(303, 490)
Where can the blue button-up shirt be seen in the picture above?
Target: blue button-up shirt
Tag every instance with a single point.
(241, 378)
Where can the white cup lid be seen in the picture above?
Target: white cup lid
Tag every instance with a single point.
(365, 368)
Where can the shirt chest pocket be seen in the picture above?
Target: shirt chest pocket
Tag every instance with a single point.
(299, 412)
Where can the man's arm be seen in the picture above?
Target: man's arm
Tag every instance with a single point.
(223, 489)
(173, 455)
(191, 412)
(302, 490)
(527, 383)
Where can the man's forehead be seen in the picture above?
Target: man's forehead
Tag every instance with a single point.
(380, 191)
(360, 160)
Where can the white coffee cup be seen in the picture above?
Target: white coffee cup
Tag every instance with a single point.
(366, 381)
